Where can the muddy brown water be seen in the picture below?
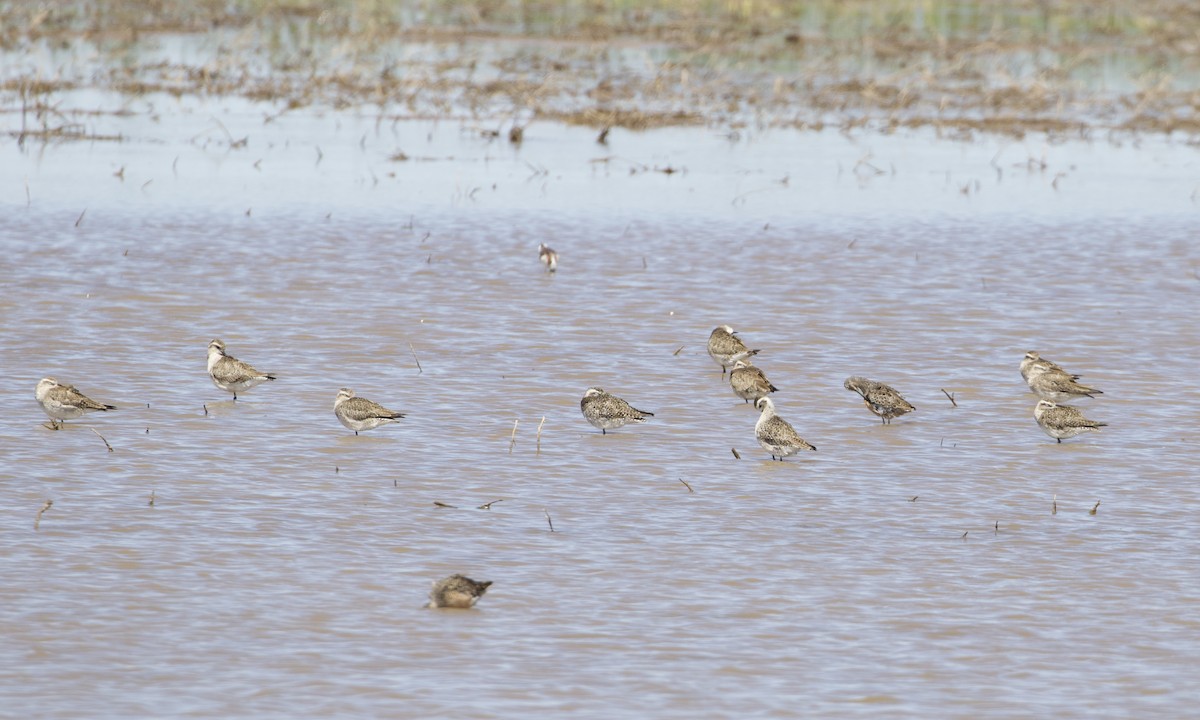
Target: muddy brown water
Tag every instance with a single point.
(916, 569)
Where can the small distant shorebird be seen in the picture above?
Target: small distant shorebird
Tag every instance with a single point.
(609, 411)
(776, 435)
(548, 257)
(1062, 421)
(229, 373)
(881, 399)
(749, 382)
(727, 348)
(457, 591)
(65, 402)
(360, 413)
(1035, 364)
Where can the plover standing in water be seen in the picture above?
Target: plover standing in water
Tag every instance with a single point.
(229, 373)
(548, 257)
(727, 348)
(360, 413)
(881, 399)
(1062, 421)
(776, 435)
(749, 382)
(457, 591)
(65, 402)
(609, 411)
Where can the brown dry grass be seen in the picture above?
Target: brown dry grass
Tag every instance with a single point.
(1063, 67)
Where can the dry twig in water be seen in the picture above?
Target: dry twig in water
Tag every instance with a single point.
(151, 503)
(951, 397)
(414, 354)
(689, 487)
(442, 504)
(1054, 506)
(38, 520)
(513, 440)
(1094, 508)
(110, 449)
(539, 435)
(735, 453)
(548, 520)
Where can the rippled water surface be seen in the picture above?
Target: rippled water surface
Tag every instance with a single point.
(945, 565)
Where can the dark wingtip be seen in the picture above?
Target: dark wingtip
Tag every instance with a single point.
(106, 408)
(270, 377)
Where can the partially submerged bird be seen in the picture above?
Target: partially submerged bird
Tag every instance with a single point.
(881, 399)
(65, 402)
(457, 591)
(725, 347)
(749, 382)
(776, 435)
(360, 413)
(548, 257)
(1062, 421)
(607, 411)
(229, 373)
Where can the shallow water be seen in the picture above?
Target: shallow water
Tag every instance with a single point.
(915, 569)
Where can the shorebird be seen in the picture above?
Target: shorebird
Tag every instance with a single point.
(457, 591)
(65, 402)
(229, 373)
(749, 382)
(1034, 364)
(1062, 421)
(881, 399)
(1059, 387)
(609, 411)
(775, 434)
(727, 348)
(360, 413)
(548, 257)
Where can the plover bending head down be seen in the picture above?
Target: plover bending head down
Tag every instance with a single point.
(607, 411)
(776, 435)
(457, 591)
(1062, 421)
(360, 413)
(881, 399)
(548, 257)
(749, 382)
(229, 373)
(65, 402)
(726, 348)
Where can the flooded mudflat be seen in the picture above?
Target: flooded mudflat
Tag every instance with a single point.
(257, 559)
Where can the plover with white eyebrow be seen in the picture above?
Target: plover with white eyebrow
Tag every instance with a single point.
(65, 402)
(1062, 421)
(457, 591)
(360, 413)
(776, 435)
(749, 382)
(548, 257)
(1034, 364)
(881, 399)
(229, 373)
(608, 412)
(725, 347)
